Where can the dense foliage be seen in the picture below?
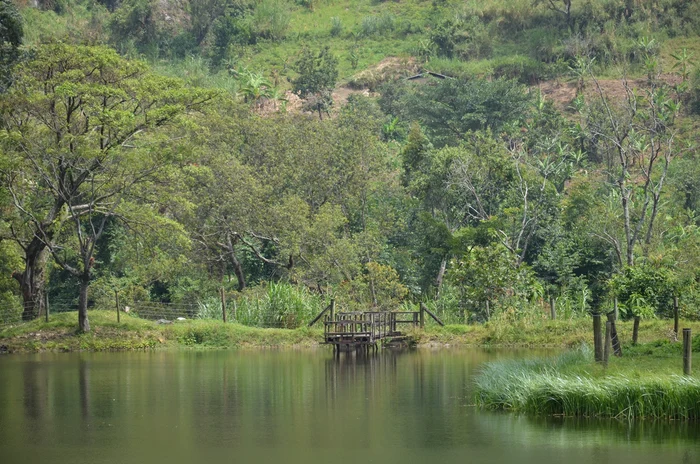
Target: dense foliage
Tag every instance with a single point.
(181, 161)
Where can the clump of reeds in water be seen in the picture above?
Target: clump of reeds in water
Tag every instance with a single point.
(561, 386)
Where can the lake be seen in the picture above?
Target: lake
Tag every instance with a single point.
(295, 406)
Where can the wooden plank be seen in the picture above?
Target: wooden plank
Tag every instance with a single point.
(320, 315)
(430, 313)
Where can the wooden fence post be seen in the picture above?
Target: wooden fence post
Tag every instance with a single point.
(687, 351)
(675, 316)
(615, 340)
(422, 316)
(607, 347)
(597, 338)
(553, 307)
(223, 303)
(635, 329)
(116, 300)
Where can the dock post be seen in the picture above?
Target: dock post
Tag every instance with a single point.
(597, 338)
(687, 351)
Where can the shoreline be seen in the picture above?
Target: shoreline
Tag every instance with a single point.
(131, 334)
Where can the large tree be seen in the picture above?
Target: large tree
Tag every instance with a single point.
(79, 129)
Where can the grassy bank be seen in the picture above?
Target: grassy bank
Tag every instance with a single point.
(645, 383)
(135, 334)
(132, 333)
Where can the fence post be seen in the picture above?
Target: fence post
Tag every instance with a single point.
(597, 338)
(223, 303)
(46, 306)
(116, 299)
(552, 307)
(615, 340)
(675, 316)
(422, 316)
(607, 347)
(687, 351)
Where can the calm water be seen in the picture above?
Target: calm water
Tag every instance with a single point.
(293, 407)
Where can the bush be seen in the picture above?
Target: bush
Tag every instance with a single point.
(521, 68)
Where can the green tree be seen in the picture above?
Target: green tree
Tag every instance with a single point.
(79, 126)
(11, 33)
(448, 109)
(317, 74)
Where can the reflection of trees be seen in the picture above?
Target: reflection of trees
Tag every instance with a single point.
(571, 432)
(35, 390)
(84, 389)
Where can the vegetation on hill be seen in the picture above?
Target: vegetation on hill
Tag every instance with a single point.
(164, 150)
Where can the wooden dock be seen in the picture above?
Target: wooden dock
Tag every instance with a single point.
(362, 330)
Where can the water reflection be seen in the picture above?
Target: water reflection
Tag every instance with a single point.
(294, 406)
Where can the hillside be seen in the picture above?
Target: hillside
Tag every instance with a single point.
(163, 154)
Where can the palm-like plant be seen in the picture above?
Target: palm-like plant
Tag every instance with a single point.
(254, 86)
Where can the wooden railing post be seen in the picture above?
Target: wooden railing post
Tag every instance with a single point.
(422, 316)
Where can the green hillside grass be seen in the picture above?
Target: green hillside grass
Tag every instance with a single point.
(513, 39)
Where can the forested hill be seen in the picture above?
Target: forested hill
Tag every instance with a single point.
(481, 157)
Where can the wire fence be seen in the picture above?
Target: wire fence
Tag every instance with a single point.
(263, 312)
(16, 314)
(253, 314)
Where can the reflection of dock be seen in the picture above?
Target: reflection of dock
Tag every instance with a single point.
(362, 330)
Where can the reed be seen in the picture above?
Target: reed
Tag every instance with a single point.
(563, 386)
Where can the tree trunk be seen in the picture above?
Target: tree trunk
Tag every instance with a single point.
(83, 323)
(440, 277)
(237, 267)
(32, 281)
(238, 270)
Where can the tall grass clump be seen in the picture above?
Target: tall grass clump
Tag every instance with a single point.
(377, 24)
(336, 26)
(277, 305)
(561, 386)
